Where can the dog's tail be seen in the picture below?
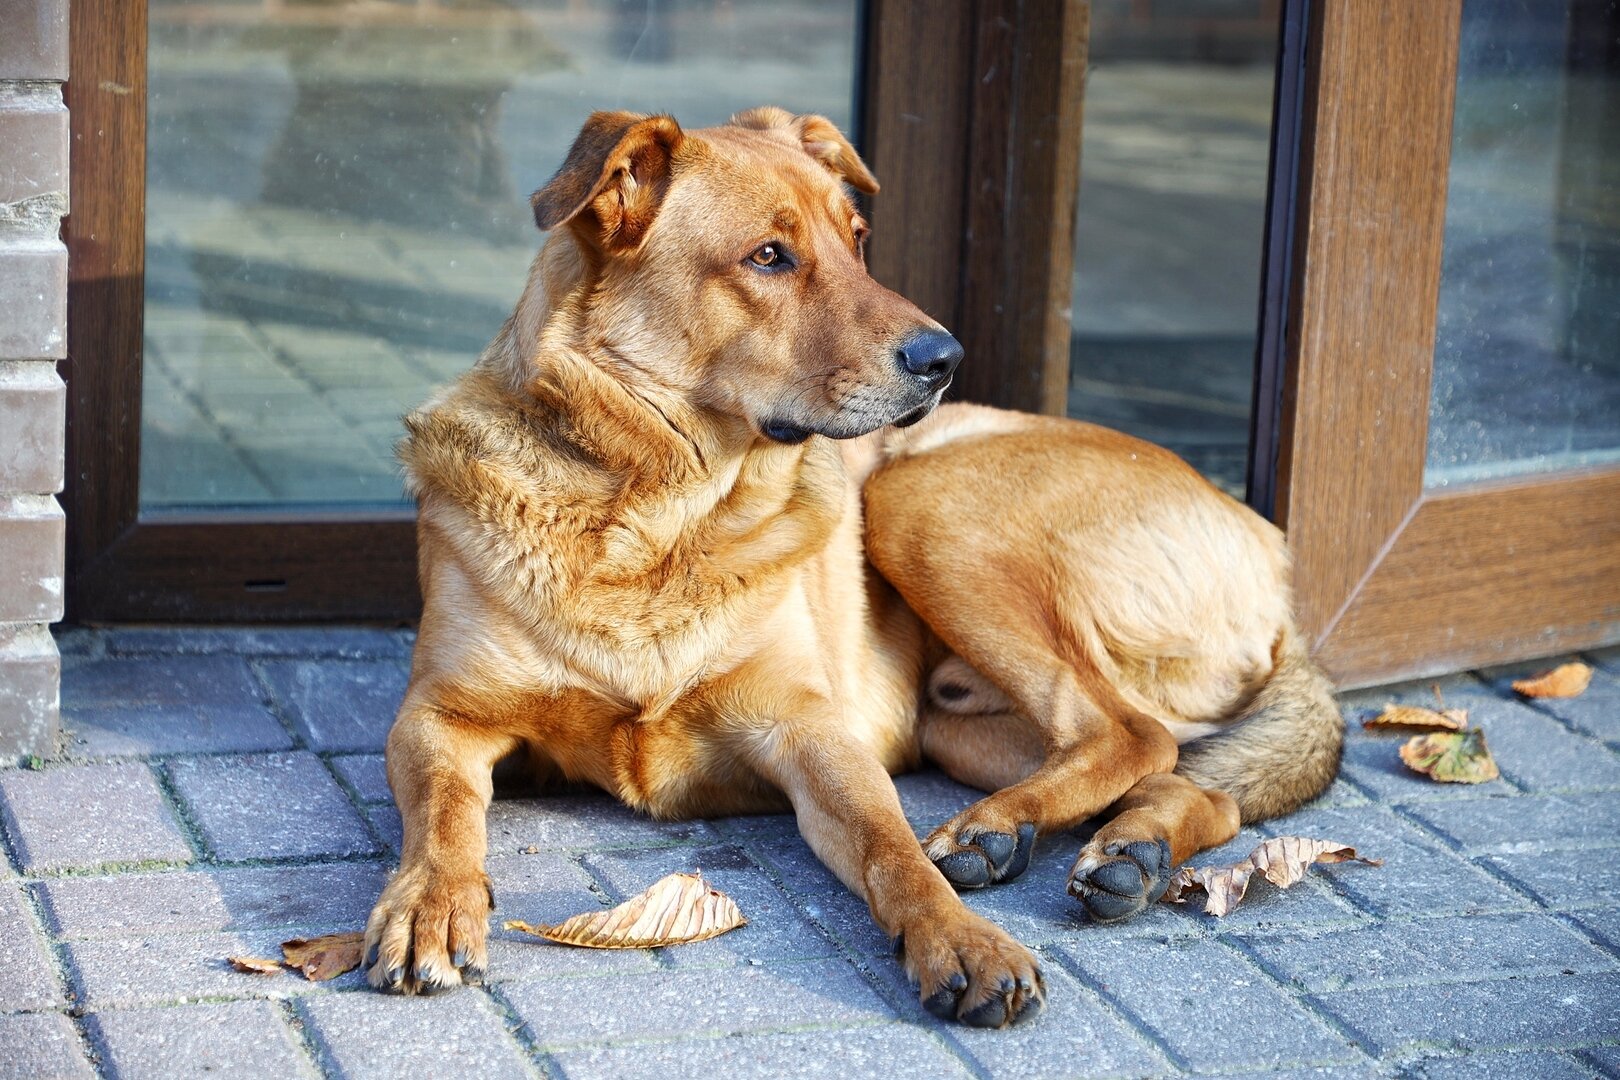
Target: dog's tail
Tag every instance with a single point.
(1283, 749)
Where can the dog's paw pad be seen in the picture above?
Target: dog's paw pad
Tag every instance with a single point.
(1120, 881)
(984, 858)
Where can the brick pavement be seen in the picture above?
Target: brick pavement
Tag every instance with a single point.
(223, 790)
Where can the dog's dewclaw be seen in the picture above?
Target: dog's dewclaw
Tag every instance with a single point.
(1565, 680)
(324, 957)
(677, 909)
(1282, 860)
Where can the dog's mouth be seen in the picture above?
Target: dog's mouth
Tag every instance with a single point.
(916, 414)
(793, 432)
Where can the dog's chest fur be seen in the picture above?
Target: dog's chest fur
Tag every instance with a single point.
(644, 591)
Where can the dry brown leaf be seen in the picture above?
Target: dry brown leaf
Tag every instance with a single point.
(1282, 860)
(255, 965)
(1453, 757)
(1416, 716)
(677, 909)
(1565, 680)
(325, 957)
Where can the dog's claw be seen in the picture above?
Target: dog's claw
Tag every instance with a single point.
(1121, 880)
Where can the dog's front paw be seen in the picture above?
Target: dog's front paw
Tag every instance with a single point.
(969, 969)
(428, 932)
(1118, 880)
(972, 853)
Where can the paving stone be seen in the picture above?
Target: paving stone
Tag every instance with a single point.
(1427, 951)
(159, 680)
(547, 887)
(1538, 754)
(1561, 879)
(27, 980)
(663, 1004)
(583, 821)
(1596, 712)
(1603, 926)
(1498, 1014)
(1077, 1035)
(198, 1041)
(339, 705)
(304, 642)
(269, 806)
(167, 969)
(128, 730)
(1311, 901)
(336, 896)
(776, 930)
(931, 798)
(386, 824)
(878, 1050)
(1418, 877)
(821, 896)
(88, 815)
(1259, 1024)
(366, 774)
(1535, 1065)
(1606, 1059)
(1544, 823)
(1375, 764)
(377, 1035)
(41, 1045)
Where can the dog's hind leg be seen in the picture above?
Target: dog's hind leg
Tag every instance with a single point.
(1158, 824)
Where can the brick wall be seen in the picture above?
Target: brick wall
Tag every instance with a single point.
(33, 337)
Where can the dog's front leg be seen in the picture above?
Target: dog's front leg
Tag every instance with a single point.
(428, 930)
(848, 811)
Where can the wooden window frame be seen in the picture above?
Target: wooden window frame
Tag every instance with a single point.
(970, 114)
(1395, 581)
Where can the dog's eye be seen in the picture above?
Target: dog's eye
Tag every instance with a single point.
(771, 257)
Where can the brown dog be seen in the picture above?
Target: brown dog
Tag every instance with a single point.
(648, 565)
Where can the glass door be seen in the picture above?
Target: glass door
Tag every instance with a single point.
(336, 205)
(1451, 472)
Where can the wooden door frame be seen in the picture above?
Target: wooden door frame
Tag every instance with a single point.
(1395, 581)
(970, 116)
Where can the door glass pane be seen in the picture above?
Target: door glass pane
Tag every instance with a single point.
(337, 216)
(1168, 241)
(1527, 353)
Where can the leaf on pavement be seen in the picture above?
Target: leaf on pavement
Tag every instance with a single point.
(1565, 680)
(325, 957)
(1282, 860)
(1453, 757)
(1416, 716)
(255, 965)
(677, 909)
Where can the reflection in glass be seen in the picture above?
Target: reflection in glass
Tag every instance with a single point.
(336, 217)
(1171, 222)
(1527, 352)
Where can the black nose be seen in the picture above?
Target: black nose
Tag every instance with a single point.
(931, 355)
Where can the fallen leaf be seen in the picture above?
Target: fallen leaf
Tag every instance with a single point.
(1282, 860)
(1565, 680)
(324, 957)
(677, 909)
(1416, 716)
(1453, 757)
(255, 965)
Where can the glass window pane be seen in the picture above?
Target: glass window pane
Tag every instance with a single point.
(1527, 351)
(337, 216)
(1168, 241)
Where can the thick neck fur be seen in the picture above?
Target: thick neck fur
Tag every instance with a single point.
(609, 510)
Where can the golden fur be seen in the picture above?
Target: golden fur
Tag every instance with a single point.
(649, 521)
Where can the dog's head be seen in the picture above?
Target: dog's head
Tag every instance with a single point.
(729, 265)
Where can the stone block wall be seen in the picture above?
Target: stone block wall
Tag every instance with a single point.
(33, 337)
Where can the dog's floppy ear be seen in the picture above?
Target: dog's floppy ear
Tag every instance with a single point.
(819, 137)
(613, 179)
